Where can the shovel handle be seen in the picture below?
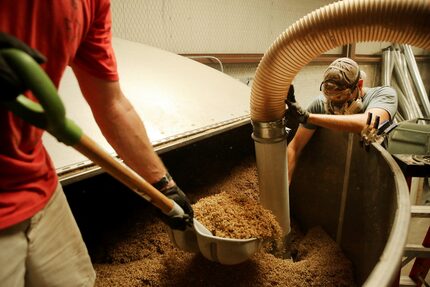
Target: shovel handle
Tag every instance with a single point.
(50, 115)
(127, 176)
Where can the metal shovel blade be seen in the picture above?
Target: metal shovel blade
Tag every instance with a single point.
(185, 240)
(227, 251)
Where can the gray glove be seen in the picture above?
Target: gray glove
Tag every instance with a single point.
(177, 195)
(294, 114)
(10, 84)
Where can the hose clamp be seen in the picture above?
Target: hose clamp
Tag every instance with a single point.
(269, 132)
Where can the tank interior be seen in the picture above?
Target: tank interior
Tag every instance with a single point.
(362, 218)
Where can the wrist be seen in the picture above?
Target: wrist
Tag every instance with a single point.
(164, 183)
(309, 118)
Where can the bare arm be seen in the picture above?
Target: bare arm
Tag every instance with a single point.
(348, 123)
(121, 125)
(302, 137)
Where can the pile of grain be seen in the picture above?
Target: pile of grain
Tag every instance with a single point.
(142, 254)
(236, 216)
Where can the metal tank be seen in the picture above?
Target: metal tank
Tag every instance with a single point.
(360, 198)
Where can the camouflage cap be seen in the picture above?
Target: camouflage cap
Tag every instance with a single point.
(342, 74)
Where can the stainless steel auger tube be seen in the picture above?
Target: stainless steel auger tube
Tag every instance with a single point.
(271, 150)
(337, 24)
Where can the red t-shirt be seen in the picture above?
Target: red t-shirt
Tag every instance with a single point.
(65, 31)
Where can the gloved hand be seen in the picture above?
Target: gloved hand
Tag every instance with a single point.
(177, 195)
(10, 84)
(294, 114)
(169, 188)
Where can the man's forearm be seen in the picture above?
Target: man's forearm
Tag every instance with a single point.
(121, 125)
(126, 133)
(348, 123)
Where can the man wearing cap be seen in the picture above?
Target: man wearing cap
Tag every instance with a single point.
(344, 106)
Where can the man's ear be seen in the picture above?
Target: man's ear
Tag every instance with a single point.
(360, 83)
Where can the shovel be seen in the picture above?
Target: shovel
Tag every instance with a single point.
(50, 115)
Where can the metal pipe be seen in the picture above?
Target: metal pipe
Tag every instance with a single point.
(404, 84)
(415, 73)
(387, 67)
(209, 57)
(413, 94)
(399, 118)
(405, 108)
(271, 149)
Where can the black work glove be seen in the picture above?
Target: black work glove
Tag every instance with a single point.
(10, 84)
(294, 114)
(177, 195)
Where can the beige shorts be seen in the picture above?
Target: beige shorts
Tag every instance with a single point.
(46, 250)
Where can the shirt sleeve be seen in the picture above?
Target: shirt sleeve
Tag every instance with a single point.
(95, 53)
(384, 98)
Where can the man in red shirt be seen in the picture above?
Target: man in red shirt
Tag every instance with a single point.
(39, 240)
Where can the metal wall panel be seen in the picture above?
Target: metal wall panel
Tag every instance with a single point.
(176, 97)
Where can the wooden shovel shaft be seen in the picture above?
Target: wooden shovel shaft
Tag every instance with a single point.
(131, 179)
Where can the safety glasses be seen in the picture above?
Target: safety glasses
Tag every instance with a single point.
(337, 95)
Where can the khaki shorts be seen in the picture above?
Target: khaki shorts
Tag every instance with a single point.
(46, 250)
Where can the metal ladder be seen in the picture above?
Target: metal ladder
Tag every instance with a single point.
(421, 253)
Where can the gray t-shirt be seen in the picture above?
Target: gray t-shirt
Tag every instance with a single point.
(379, 97)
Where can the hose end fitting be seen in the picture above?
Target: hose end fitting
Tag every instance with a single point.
(269, 132)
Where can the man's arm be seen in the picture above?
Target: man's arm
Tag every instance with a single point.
(126, 133)
(120, 125)
(348, 123)
(302, 137)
